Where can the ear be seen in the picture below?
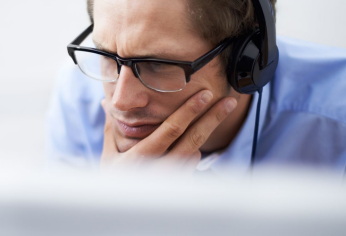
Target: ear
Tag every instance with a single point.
(233, 93)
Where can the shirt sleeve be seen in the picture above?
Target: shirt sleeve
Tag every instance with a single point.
(75, 119)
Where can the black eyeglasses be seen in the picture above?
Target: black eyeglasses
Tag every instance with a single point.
(158, 74)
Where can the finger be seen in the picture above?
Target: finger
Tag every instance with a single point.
(109, 144)
(181, 167)
(200, 131)
(189, 166)
(171, 129)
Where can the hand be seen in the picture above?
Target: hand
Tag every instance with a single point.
(152, 152)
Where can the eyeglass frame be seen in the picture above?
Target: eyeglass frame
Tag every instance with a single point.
(188, 67)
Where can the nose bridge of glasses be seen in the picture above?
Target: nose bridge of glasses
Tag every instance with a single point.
(123, 62)
(129, 63)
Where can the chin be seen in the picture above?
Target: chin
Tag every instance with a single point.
(126, 144)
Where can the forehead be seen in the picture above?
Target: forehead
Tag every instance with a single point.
(134, 27)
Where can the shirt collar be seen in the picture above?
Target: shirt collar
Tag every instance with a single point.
(236, 158)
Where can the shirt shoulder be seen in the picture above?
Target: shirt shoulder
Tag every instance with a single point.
(73, 85)
(305, 121)
(75, 118)
(310, 78)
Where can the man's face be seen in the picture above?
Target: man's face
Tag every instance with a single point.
(161, 29)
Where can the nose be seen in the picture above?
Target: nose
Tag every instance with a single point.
(129, 92)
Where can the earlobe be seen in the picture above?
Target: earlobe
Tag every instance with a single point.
(233, 93)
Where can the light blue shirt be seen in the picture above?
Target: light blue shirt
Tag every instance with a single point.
(303, 114)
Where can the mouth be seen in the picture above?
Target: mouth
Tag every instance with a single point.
(136, 130)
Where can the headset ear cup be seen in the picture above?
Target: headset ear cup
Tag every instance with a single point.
(232, 63)
(242, 61)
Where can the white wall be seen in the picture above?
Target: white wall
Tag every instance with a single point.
(317, 21)
(34, 35)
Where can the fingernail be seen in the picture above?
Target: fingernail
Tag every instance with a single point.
(207, 96)
(230, 105)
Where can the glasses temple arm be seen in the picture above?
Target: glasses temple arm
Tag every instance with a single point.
(206, 58)
(83, 35)
(78, 41)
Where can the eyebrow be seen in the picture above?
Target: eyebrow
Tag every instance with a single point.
(101, 47)
(163, 55)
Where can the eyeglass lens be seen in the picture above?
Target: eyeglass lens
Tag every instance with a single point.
(155, 75)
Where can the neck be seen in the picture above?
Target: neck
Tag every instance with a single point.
(224, 134)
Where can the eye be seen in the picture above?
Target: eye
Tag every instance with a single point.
(104, 58)
(108, 65)
(106, 61)
(156, 67)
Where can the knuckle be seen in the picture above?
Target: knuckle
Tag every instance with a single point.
(173, 131)
(197, 139)
(219, 117)
(195, 108)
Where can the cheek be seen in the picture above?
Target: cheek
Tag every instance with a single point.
(170, 102)
(213, 81)
(109, 89)
(177, 99)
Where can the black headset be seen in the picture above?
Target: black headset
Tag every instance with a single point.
(255, 55)
(254, 59)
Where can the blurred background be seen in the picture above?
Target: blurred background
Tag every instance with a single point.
(34, 36)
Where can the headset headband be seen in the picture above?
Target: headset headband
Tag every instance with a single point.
(265, 17)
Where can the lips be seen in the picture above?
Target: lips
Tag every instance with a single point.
(136, 130)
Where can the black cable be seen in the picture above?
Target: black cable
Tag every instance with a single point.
(255, 135)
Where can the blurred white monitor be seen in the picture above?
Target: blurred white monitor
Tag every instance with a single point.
(268, 203)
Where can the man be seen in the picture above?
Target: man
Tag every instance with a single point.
(303, 113)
